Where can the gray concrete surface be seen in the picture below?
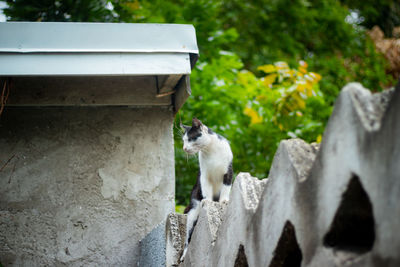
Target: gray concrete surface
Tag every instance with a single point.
(82, 186)
(152, 248)
(205, 233)
(330, 205)
(86, 91)
(243, 202)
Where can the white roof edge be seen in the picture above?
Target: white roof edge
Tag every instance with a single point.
(71, 37)
(114, 64)
(48, 50)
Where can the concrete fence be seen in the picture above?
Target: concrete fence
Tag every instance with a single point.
(333, 204)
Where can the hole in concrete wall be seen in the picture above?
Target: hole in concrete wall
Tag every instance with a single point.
(353, 226)
(287, 253)
(241, 259)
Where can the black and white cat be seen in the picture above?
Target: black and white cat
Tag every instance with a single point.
(214, 180)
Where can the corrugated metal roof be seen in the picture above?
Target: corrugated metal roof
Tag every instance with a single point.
(51, 48)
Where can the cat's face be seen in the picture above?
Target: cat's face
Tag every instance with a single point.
(195, 138)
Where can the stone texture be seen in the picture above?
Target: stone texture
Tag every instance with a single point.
(369, 107)
(82, 186)
(176, 232)
(330, 205)
(301, 155)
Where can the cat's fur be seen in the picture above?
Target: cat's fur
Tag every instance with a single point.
(214, 180)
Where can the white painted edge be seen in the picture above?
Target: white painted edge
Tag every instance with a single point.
(76, 64)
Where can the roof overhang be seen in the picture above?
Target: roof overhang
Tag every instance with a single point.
(160, 56)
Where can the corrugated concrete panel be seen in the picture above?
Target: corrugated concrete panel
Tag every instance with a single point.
(333, 204)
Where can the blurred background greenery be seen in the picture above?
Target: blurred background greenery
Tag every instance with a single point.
(268, 69)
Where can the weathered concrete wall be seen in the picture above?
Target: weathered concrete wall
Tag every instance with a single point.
(81, 186)
(336, 204)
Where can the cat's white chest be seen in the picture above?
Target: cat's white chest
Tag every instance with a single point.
(214, 169)
(215, 165)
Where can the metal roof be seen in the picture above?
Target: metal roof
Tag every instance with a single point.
(96, 64)
(54, 48)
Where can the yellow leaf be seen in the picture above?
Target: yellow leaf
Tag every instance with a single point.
(315, 76)
(261, 98)
(309, 92)
(299, 101)
(281, 65)
(270, 79)
(286, 73)
(242, 79)
(303, 64)
(254, 117)
(308, 84)
(280, 127)
(303, 70)
(267, 68)
(303, 67)
(319, 138)
(132, 6)
(309, 88)
(301, 86)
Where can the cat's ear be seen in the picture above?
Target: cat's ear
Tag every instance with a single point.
(184, 127)
(196, 123)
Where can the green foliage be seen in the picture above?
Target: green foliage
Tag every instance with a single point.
(363, 65)
(287, 29)
(53, 10)
(252, 104)
(179, 209)
(253, 113)
(205, 15)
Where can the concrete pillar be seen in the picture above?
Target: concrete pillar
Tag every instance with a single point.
(81, 186)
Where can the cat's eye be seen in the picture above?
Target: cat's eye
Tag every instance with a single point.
(192, 139)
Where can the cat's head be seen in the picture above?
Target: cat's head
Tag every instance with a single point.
(196, 137)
